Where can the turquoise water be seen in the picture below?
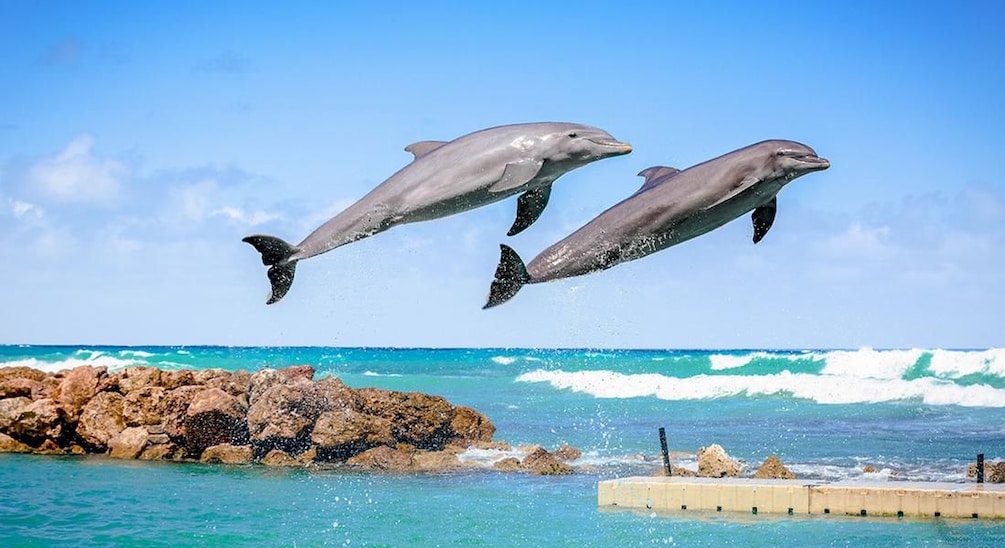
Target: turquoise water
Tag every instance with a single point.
(913, 414)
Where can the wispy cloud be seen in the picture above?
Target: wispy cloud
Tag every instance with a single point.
(77, 175)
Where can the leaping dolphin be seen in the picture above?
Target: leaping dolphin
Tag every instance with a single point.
(671, 207)
(450, 177)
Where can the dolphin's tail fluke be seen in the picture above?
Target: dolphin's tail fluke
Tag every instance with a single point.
(511, 275)
(276, 255)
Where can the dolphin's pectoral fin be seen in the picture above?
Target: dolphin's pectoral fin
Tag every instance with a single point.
(529, 206)
(740, 187)
(422, 148)
(511, 275)
(656, 175)
(516, 175)
(763, 217)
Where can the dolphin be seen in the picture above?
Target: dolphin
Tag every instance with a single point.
(445, 178)
(671, 207)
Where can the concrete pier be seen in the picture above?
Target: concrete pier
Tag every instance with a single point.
(754, 496)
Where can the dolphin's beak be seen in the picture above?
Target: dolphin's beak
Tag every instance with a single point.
(616, 146)
(815, 163)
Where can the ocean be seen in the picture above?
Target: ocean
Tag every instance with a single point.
(911, 414)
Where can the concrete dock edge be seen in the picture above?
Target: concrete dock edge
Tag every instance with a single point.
(895, 499)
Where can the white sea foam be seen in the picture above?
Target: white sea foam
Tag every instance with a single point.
(375, 374)
(827, 389)
(956, 363)
(722, 362)
(866, 362)
(504, 360)
(137, 353)
(98, 360)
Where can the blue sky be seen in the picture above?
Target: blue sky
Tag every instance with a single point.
(139, 142)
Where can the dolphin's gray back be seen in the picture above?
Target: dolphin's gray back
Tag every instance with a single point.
(668, 213)
(452, 178)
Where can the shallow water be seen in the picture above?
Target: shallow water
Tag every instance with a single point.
(607, 403)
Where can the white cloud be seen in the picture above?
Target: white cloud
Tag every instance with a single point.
(25, 210)
(250, 218)
(859, 241)
(76, 175)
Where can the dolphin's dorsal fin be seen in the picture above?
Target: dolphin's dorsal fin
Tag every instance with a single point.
(763, 216)
(422, 148)
(655, 175)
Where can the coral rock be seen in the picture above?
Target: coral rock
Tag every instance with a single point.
(713, 462)
(227, 454)
(129, 443)
(214, 417)
(544, 463)
(773, 469)
(101, 420)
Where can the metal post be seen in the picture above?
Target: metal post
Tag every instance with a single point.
(980, 468)
(666, 453)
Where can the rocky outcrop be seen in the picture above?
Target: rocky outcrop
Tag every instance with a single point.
(227, 454)
(543, 463)
(713, 462)
(214, 417)
(280, 417)
(772, 468)
(993, 472)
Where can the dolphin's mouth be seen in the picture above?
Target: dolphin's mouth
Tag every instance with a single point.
(814, 163)
(617, 146)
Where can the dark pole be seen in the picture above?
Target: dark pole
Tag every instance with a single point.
(980, 468)
(666, 453)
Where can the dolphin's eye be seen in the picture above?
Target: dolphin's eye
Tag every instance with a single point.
(572, 135)
(780, 153)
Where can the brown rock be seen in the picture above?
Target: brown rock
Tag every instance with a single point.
(173, 408)
(227, 454)
(23, 388)
(470, 426)
(772, 468)
(235, 384)
(38, 420)
(297, 373)
(132, 379)
(79, 385)
(998, 474)
(21, 373)
(101, 420)
(417, 419)
(544, 463)
(341, 434)
(567, 453)
(49, 447)
(435, 461)
(508, 464)
(282, 416)
(161, 451)
(10, 410)
(492, 445)
(383, 458)
(214, 417)
(278, 457)
(128, 444)
(146, 405)
(713, 462)
(177, 379)
(869, 469)
(11, 445)
(989, 470)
